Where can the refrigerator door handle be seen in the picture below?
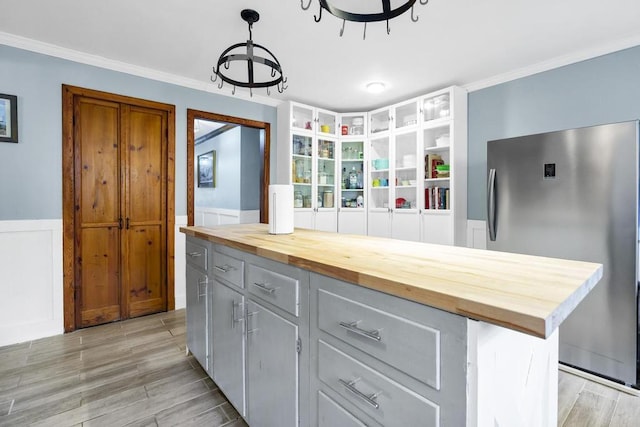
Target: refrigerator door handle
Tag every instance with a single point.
(491, 205)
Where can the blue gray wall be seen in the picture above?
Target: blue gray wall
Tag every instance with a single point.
(252, 140)
(597, 91)
(31, 171)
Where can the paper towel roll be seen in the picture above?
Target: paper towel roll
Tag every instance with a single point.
(280, 209)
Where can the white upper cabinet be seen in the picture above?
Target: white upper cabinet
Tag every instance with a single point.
(399, 171)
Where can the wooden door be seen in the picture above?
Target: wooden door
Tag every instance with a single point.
(120, 189)
(144, 213)
(98, 220)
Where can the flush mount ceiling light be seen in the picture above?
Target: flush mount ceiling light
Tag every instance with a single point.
(385, 14)
(375, 87)
(240, 59)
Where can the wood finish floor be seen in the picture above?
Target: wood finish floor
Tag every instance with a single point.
(136, 373)
(130, 373)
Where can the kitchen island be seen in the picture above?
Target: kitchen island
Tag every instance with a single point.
(382, 332)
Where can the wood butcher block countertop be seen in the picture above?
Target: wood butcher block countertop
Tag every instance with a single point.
(521, 292)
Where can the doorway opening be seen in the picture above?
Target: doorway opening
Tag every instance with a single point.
(227, 169)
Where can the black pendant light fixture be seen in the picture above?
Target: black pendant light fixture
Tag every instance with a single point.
(261, 71)
(385, 14)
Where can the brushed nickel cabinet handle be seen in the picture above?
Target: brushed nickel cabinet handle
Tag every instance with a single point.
(370, 399)
(194, 254)
(265, 288)
(223, 268)
(234, 310)
(353, 327)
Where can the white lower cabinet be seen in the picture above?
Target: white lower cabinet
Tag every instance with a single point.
(228, 334)
(352, 221)
(272, 360)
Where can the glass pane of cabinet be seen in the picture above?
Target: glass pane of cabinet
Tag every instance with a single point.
(326, 170)
(327, 122)
(379, 121)
(405, 180)
(301, 170)
(352, 177)
(436, 107)
(406, 115)
(352, 124)
(379, 173)
(301, 117)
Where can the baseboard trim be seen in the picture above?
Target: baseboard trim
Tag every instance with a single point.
(596, 379)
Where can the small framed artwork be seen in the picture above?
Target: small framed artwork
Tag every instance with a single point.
(207, 169)
(8, 118)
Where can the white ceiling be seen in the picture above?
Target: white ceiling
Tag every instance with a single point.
(454, 41)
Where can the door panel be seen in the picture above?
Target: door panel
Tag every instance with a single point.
(97, 216)
(99, 275)
(144, 253)
(145, 270)
(229, 348)
(271, 342)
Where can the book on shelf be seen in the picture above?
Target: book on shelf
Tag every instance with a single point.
(430, 163)
(436, 198)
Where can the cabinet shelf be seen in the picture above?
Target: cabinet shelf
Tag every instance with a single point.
(300, 156)
(409, 168)
(405, 186)
(437, 179)
(379, 170)
(435, 211)
(436, 149)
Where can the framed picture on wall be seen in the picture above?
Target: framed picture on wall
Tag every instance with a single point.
(8, 118)
(207, 169)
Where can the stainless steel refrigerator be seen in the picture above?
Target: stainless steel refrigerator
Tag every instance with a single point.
(574, 194)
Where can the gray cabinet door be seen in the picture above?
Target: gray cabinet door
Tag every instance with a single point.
(272, 361)
(229, 349)
(197, 314)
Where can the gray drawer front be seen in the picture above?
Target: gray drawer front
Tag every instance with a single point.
(366, 388)
(280, 290)
(406, 345)
(228, 268)
(330, 414)
(197, 254)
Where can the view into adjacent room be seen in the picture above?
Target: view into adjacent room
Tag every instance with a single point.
(228, 165)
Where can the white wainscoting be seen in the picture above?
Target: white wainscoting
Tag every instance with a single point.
(210, 217)
(31, 303)
(476, 234)
(30, 280)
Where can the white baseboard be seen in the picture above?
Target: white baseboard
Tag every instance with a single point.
(31, 303)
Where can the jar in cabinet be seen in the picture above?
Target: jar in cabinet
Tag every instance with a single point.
(328, 199)
(297, 199)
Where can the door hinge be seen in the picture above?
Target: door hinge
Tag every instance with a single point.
(298, 345)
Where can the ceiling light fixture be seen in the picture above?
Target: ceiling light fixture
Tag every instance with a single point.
(385, 15)
(375, 87)
(246, 53)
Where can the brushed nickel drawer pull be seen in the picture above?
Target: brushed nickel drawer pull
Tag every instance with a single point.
(265, 288)
(194, 254)
(224, 268)
(370, 399)
(353, 327)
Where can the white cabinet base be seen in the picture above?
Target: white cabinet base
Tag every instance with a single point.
(512, 377)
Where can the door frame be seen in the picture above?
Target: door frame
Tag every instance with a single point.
(68, 193)
(266, 156)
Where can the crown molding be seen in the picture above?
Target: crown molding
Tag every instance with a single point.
(557, 62)
(123, 67)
